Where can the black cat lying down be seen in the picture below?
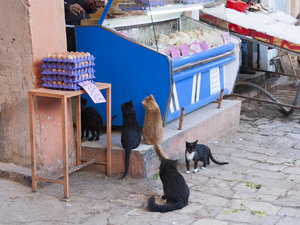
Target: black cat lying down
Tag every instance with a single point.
(176, 191)
(198, 152)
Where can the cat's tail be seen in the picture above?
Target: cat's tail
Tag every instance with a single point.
(127, 157)
(159, 151)
(153, 207)
(216, 162)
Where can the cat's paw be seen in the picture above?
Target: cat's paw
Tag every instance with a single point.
(196, 170)
(187, 171)
(203, 168)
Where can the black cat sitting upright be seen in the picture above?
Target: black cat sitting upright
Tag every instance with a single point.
(176, 191)
(131, 133)
(91, 121)
(198, 152)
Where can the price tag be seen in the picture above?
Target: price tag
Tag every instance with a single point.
(166, 52)
(226, 37)
(92, 91)
(203, 45)
(195, 47)
(185, 50)
(121, 32)
(175, 52)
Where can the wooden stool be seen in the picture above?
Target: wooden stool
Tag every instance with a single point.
(64, 95)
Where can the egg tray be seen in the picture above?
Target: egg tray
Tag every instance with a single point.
(57, 77)
(69, 72)
(69, 86)
(68, 64)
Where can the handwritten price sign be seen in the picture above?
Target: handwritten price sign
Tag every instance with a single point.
(203, 45)
(226, 37)
(92, 91)
(195, 47)
(175, 52)
(185, 50)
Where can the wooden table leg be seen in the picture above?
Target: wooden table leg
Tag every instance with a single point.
(65, 147)
(108, 131)
(32, 142)
(78, 129)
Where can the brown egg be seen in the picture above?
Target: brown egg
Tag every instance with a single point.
(63, 56)
(48, 56)
(62, 64)
(88, 54)
(63, 71)
(69, 71)
(53, 82)
(52, 64)
(46, 63)
(47, 76)
(62, 77)
(68, 64)
(67, 77)
(63, 84)
(58, 70)
(69, 57)
(48, 82)
(69, 84)
(73, 78)
(58, 56)
(58, 82)
(53, 70)
(57, 77)
(53, 56)
(73, 65)
(47, 70)
(52, 76)
(57, 64)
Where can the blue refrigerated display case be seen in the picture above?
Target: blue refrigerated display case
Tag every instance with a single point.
(135, 50)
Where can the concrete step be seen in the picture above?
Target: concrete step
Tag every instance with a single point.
(204, 124)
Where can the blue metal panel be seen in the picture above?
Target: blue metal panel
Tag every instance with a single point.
(134, 71)
(184, 87)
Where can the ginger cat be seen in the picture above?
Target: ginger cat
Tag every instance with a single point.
(153, 131)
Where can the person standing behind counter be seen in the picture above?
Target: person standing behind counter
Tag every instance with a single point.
(75, 11)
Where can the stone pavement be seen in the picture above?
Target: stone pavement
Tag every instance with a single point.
(261, 185)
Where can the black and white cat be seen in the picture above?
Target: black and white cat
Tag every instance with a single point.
(131, 132)
(176, 191)
(198, 152)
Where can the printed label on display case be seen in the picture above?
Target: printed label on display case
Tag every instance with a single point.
(175, 53)
(92, 91)
(195, 47)
(203, 45)
(226, 37)
(185, 50)
(215, 85)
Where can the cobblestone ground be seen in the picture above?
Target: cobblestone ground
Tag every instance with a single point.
(260, 185)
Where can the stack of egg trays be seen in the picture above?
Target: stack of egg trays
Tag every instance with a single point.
(68, 73)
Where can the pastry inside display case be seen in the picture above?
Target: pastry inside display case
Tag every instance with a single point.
(166, 25)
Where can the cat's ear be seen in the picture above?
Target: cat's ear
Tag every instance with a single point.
(122, 106)
(196, 141)
(131, 102)
(151, 96)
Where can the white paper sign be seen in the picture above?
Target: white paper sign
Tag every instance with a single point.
(92, 91)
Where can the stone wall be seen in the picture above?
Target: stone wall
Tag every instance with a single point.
(29, 30)
(16, 78)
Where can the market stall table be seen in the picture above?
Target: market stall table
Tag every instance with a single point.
(64, 95)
